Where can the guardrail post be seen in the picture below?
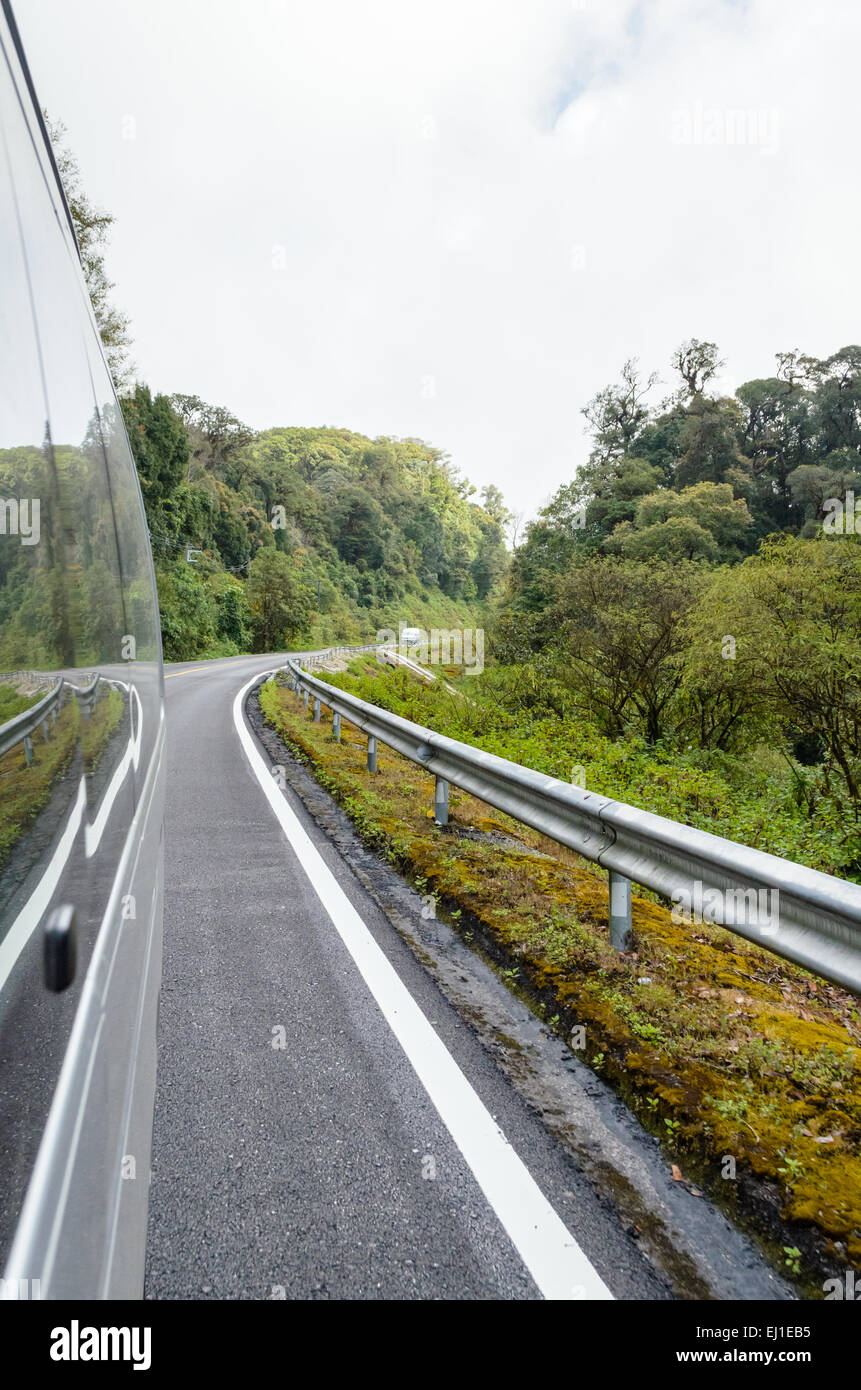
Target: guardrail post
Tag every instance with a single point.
(621, 932)
(28, 749)
(336, 727)
(372, 753)
(316, 710)
(305, 698)
(440, 802)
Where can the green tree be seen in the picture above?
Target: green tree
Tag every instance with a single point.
(708, 440)
(837, 400)
(215, 435)
(618, 412)
(231, 617)
(700, 522)
(812, 484)
(777, 435)
(159, 446)
(697, 362)
(188, 614)
(793, 614)
(280, 604)
(357, 525)
(494, 504)
(622, 636)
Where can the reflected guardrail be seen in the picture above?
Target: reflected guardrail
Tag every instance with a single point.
(808, 917)
(21, 727)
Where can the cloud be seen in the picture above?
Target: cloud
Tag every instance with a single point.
(457, 220)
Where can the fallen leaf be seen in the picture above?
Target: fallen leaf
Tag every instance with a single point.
(676, 1173)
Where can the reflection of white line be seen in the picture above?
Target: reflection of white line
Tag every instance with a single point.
(547, 1248)
(130, 759)
(44, 1211)
(31, 913)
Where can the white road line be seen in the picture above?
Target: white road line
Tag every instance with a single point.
(131, 757)
(549, 1251)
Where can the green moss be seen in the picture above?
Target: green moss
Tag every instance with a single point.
(24, 791)
(97, 729)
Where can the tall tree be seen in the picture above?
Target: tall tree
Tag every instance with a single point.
(621, 631)
(159, 445)
(92, 225)
(616, 413)
(279, 602)
(494, 504)
(697, 362)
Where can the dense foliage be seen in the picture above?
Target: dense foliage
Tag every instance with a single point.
(520, 714)
(694, 596)
(320, 535)
(702, 477)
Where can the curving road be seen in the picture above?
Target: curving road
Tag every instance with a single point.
(327, 1125)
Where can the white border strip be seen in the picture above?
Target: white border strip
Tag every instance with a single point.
(549, 1251)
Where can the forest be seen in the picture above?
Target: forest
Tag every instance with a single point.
(260, 539)
(694, 593)
(307, 536)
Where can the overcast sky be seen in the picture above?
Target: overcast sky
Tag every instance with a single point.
(455, 219)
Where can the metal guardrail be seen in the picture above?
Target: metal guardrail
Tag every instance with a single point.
(21, 727)
(805, 916)
(321, 658)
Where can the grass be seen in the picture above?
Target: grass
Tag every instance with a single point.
(751, 800)
(12, 702)
(726, 1052)
(96, 730)
(25, 791)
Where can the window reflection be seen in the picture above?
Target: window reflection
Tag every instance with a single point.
(80, 685)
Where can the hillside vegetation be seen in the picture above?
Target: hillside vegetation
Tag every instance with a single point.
(683, 619)
(304, 535)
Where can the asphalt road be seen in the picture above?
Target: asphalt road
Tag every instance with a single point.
(320, 1167)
